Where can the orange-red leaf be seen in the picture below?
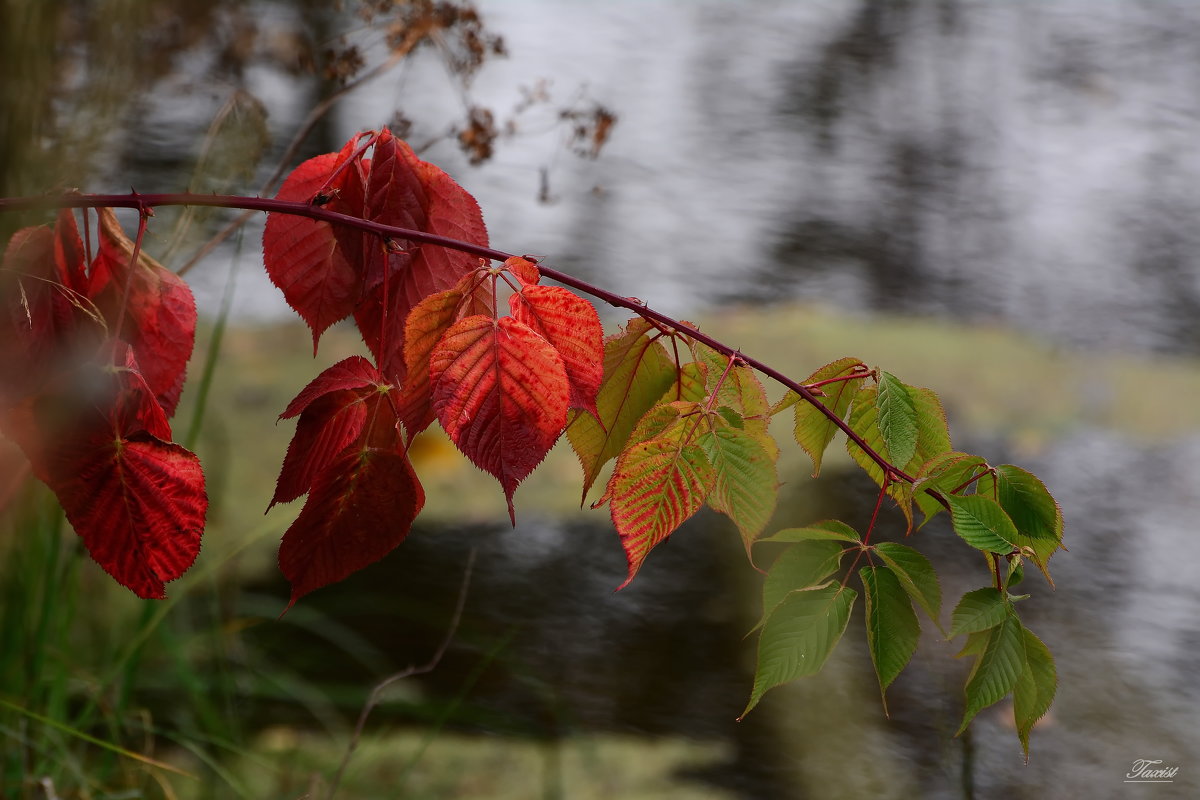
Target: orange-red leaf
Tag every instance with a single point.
(655, 486)
(501, 392)
(571, 324)
(525, 270)
(426, 325)
(359, 509)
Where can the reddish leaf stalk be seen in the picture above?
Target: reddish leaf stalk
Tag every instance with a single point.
(143, 202)
(971, 480)
(143, 213)
(860, 371)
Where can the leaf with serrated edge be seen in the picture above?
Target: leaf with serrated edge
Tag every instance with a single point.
(360, 508)
(655, 486)
(500, 392)
(801, 566)
(747, 485)
(998, 669)
(897, 418)
(571, 324)
(933, 437)
(525, 270)
(892, 627)
(1033, 511)
(318, 276)
(981, 522)
(636, 373)
(977, 611)
(916, 575)
(1035, 687)
(799, 636)
(427, 323)
(813, 430)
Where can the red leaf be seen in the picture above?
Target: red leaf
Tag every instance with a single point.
(326, 427)
(525, 270)
(29, 328)
(315, 266)
(160, 313)
(572, 325)
(359, 509)
(333, 415)
(137, 501)
(501, 393)
(448, 211)
(69, 255)
(354, 372)
(396, 197)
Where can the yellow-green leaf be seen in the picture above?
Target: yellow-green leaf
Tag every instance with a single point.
(747, 485)
(637, 370)
(655, 486)
(813, 430)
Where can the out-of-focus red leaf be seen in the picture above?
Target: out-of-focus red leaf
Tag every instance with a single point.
(572, 325)
(160, 312)
(29, 331)
(359, 509)
(69, 254)
(137, 501)
(501, 393)
(315, 266)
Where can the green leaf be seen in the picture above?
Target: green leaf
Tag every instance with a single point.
(1035, 687)
(747, 485)
(915, 574)
(802, 566)
(1036, 516)
(892, 627)
(825, 530)
(982, 523)
(933, 438)
(944, 472)
(978, 611)
(799, 636)
(897, 418)
(637, 370)
(975, 644)
(813, 430)
(997, 670)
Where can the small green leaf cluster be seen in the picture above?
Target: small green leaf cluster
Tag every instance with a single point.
(901, 441)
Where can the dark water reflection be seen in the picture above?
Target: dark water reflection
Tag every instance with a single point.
(667, 656)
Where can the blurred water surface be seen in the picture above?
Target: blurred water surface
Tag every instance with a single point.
(1032, 164)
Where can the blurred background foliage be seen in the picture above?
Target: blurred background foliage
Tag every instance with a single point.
(997, 202)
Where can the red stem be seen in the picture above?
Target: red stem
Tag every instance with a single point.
(304, 209)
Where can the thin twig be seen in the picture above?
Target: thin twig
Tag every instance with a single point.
(429, 666)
